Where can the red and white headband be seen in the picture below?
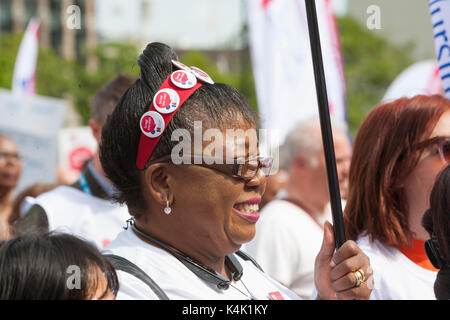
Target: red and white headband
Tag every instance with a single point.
(174, 91)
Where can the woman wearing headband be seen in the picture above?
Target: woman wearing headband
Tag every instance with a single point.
(398, 151)
(182, 151)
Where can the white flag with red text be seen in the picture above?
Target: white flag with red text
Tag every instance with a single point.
(282, 63)
(24, 78)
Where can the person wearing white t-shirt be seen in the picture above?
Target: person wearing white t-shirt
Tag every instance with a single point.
(396, 158)
(290, 231)
(192, 217)
(85, 208)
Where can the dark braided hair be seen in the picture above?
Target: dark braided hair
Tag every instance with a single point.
(216, 105)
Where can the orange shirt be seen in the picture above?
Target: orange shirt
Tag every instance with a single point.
(417, 254)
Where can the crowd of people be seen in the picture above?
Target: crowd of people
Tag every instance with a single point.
(138, 224)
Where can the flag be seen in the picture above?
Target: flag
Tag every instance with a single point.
(420, 78)
(440, 19)
(282, 62)
(24, 78)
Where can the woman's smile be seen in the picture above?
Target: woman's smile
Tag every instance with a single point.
(248, 209)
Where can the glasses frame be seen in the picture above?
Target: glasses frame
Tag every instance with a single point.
(440, 141)
(230, 166)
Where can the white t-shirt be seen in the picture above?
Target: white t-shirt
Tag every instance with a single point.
(395, 276)
(286, 244)
(91, 218)
(178, 282)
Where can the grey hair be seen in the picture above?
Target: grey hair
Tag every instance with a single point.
(305, 139)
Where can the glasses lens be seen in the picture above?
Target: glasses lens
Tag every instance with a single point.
(445, 148)
(266, 165)
(250, 168)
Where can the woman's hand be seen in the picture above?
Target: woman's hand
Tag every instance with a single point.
(336, 275)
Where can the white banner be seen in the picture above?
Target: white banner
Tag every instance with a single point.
(440, 19)
(33, 122)
(420, 78)
(76, 145)
(24, 78)
(282, 63)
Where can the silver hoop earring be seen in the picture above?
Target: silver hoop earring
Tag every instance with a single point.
(167, 209)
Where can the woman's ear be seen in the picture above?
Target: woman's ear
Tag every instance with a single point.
(155, 183)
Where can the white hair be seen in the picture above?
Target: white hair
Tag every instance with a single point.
(305, 139)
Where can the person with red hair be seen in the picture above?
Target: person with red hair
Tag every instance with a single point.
(398, 152)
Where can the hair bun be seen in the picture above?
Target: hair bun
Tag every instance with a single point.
(156, 64)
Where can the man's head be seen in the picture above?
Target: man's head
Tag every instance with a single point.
(10, 163)
(105, 100)
(302, 155)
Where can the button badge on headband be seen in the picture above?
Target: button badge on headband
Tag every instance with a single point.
(183, 79)
(202, 75)
(180, 65)
(152, 124)
(166, 100)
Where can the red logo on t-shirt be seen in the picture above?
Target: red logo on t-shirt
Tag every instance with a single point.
(276, 295)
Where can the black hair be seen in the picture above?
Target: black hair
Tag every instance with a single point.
(216, 105)
(436, 221)
(107, 97)
(39, 267)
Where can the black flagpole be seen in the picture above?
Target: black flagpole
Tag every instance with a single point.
(325, 124)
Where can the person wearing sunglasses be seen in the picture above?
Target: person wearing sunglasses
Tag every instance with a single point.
(10, 171)
(193, 208)
(398, 151)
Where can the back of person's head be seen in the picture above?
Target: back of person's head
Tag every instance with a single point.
(305, 140)
(54, 267)
(384, 155)
(20, 201)
(107, 97)
(436, 221)
(215, 105)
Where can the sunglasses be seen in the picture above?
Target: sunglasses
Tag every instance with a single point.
(240, 168)
(443, 144)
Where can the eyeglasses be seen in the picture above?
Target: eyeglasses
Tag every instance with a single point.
(245, 169)
(443, 144)
(13, 156)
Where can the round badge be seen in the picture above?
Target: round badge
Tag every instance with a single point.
(183, 79)
(202, 75)
(180, 65)
(152, 124)
(166, 100)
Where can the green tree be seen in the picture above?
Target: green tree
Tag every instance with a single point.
(371, 64)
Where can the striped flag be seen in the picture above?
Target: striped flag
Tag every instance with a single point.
(282, 63)
(440, 19)
(24, 78)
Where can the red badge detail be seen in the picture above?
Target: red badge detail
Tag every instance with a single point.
(166, 100)
(183, 79)
(152, 124)
(276, 295)
(163, 99)
(105, 242)
(180, 77)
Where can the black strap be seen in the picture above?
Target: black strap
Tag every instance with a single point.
(34, 221)
(125, 265)
(246, 257)
(95, 187)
